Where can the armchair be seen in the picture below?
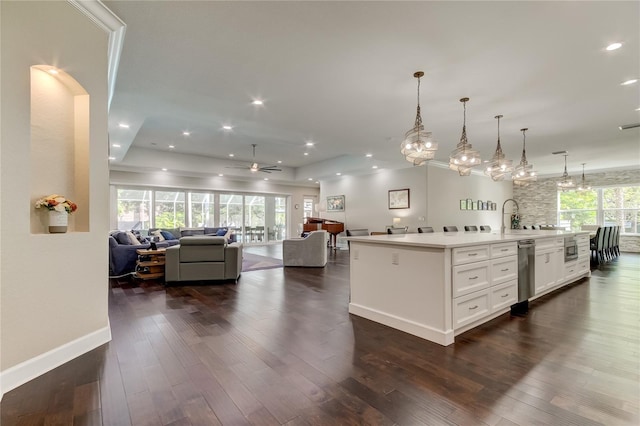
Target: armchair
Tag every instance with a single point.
(309, 251)
(200, 258)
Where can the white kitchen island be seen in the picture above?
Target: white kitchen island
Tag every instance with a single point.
(438, 285)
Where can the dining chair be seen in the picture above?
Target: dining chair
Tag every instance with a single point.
(425, 230)
(485, 228)
(471, 228)
(450, 228)
(396, 230)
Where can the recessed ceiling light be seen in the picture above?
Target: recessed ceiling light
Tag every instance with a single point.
(374, 167)
(123, 125)
(231, 155)
(171, 146)
(309, 178)
(112, 158)
(369, 155)
(115, 145)
(306, 153)
(257, 102)
(309, 143)
(266, 178)
(164, 169)
(186, 133)
(53, 71)
(227, 127)
(279, 161)
(317, 181)
(637, 109)
(628, 82)
(338, 174)
(220, 174)
(614, 46)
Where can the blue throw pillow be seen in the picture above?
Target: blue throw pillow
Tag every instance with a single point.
(122, 238)
(221, 232)
(168, 235)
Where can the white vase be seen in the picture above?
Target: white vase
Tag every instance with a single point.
(58, 222)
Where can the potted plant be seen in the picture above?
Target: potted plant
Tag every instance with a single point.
(59, 208)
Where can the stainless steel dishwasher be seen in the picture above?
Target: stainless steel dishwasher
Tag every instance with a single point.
(526, 275)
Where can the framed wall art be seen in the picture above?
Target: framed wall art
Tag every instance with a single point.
(335, 203)
(399, 198)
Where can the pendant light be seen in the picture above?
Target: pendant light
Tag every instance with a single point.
(583, 183)
(418, 145)
(498, 167)
(523, 173)
(566, 182)
(464, 157)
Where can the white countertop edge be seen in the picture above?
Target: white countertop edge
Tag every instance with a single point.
(460, 239)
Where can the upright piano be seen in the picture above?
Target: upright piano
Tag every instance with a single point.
(333, 227)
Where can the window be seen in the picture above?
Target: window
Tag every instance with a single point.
(202, 209)
(618, 206)
(134, 206)
(169, 209)
(253, 217)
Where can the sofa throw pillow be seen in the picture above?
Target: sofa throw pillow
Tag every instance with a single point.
(134, 240)
(122, 238)
(227, 236)
(221, 232)
(168, 235)
(158, 235)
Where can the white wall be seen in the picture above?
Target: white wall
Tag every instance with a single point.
(445, 190)
(212, 183)
(53, 299)
(435, 194)
(366, 198)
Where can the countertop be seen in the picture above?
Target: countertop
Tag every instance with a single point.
(460, 239)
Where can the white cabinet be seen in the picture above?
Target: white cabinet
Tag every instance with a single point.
(484, 281)
(503, 295)
(470, 277)
(470, 307)
(545, 269)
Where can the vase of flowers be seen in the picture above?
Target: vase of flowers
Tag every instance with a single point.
(59, 209)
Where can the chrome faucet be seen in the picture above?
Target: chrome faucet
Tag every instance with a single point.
(502, 228)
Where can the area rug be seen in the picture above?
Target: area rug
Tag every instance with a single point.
(254, 262)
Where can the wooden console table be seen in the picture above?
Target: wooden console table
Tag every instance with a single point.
(150, 264)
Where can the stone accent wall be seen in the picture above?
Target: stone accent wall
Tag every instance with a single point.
(539, 201)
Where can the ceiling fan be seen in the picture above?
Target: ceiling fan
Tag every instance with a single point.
(254, 167)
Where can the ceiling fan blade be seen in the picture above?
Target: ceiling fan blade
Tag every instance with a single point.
(272, 168)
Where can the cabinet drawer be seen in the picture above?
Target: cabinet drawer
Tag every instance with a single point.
(503, 295)
(570, 270)
(583, 251)
(470, 308)
(583, 266)
(504, 249)
(504, 269)
(470, 254)
(582, 239)
(545, 243)
(470, 278)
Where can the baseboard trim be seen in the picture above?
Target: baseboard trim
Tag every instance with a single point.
(424, 331)
(28, 370)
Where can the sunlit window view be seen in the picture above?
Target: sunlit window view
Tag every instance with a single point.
(253, 218)
(615, 206)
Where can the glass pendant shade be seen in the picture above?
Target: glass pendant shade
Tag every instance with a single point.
(418, 145)
(566, 182)
(523, 174)
(498, 167)
(584, 186)
(464, 157)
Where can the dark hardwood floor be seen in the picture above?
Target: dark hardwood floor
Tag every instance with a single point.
(280, 348)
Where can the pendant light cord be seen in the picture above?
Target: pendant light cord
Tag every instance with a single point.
(418, 116)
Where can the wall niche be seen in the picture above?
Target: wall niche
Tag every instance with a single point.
(59, 145)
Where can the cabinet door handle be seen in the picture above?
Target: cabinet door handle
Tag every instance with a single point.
(505, 295)
(504, 270)
(504, 250)
(473, 307)
(473, 278)
(472, 254)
